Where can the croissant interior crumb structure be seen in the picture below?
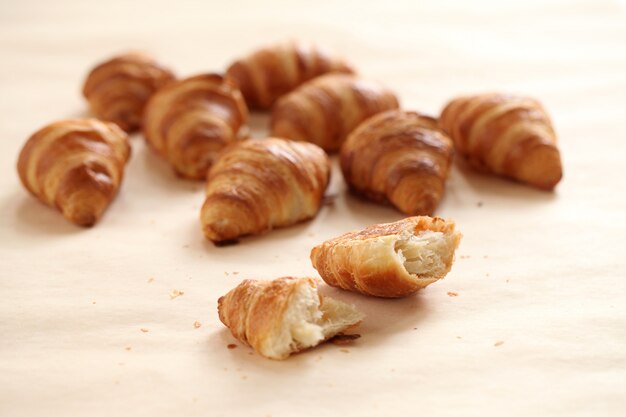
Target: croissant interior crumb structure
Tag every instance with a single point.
(283, 316)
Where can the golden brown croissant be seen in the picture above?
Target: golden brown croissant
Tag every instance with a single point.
(260, 184)
(389, 260)
(401, 157)
(117, 90)
(275, 70)
(75, 165)
(191, 120)
(507, 135)
(326, 109)
(280, 317)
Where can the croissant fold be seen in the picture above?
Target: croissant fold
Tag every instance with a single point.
(272, 71)
(280, 317)
(260, 184)
(75, 165)
(506, 135)
(326, 109)
(399, 157)
(191, 120)
(117, 90)
(389, 260)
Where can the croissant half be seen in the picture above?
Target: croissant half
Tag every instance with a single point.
(399, 157)
(117, 90)
(280, 317)
(191, 120)
(76, 166)
(507, 135)
(259, 184)
(272, 71)
(389, 260)
(326, 109)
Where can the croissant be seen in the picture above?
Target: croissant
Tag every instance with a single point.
(280, 317)
(399, 157)
(117, 90)
(75, 165)
(260, 184)
(389, 260)
(507, 135)
(275, 70)
(326, 109)
(191, 120)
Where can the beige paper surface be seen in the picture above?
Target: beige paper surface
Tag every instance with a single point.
(539, 323)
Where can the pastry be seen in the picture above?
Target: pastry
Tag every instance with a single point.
(326, 109)
(280, 317)
(274, 70)
(398, 157)
(260, 184)
(117, 90)
(506, 135)
(389, 260)
(191, 120)
(75, 165)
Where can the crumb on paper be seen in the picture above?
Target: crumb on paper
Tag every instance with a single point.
(464, 257)
(150, 280)
(459, 337)
(176, 293)
(344, 350)
(144, 330)
(507, 280)
(479, 204)
(414, 328)
(487, 274)
(453, 294)
(485, 256)
(344, 339)
(244, 377)
(120, 363)
(185, 246)
(93, 302)
(236, 273)
(499, 343)
(250, 353)
(197, 324)
(226, 273)
(128, 348)
(310, 234)
(393, 370)
(231, 346)
(223, 243)
(329, 199)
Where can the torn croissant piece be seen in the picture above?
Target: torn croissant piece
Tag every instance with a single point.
(399, 157)
(75, 165)
(287, 315)
(191, 120)
(272, 71)
(507, 135)
(326, 109)
(260, 184)
(117, 90)
(389, 260)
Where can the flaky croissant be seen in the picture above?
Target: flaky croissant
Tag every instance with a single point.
(75, 165)
(389, 260)
(260, 184)
(280, 317)
(191, 120)
(272, 71)
(117, 90)
(326, 109)
(507, 135)
(400, 157)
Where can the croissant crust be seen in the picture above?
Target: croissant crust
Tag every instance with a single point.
(75, 165)
(399, 157)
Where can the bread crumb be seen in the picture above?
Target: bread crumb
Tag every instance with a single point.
(319, 358)
(128, 348)
(498, 343)
(150, 280)
(344, 350)
(144, 330)
(479, 204)
(459, 337)
(185, 246)
(197, 324)
(507, 280)
(464, 257)
(485, 256)
(176, 293)
(120, 363)
(250, 353)
(453, 294)
(231, 346)
(93, 302)
(236, 273)
(414, 328)
(244, 377)
(226, 273)
(344, 339)
(487, 274)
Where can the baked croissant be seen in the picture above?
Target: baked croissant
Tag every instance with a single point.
(260, 184)
(75, 165)
(280, 317)
(117, 90)
(326, 109)
(507, 135)
(389, 260)
(272, 71)
(399, 157)
(191, 120)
